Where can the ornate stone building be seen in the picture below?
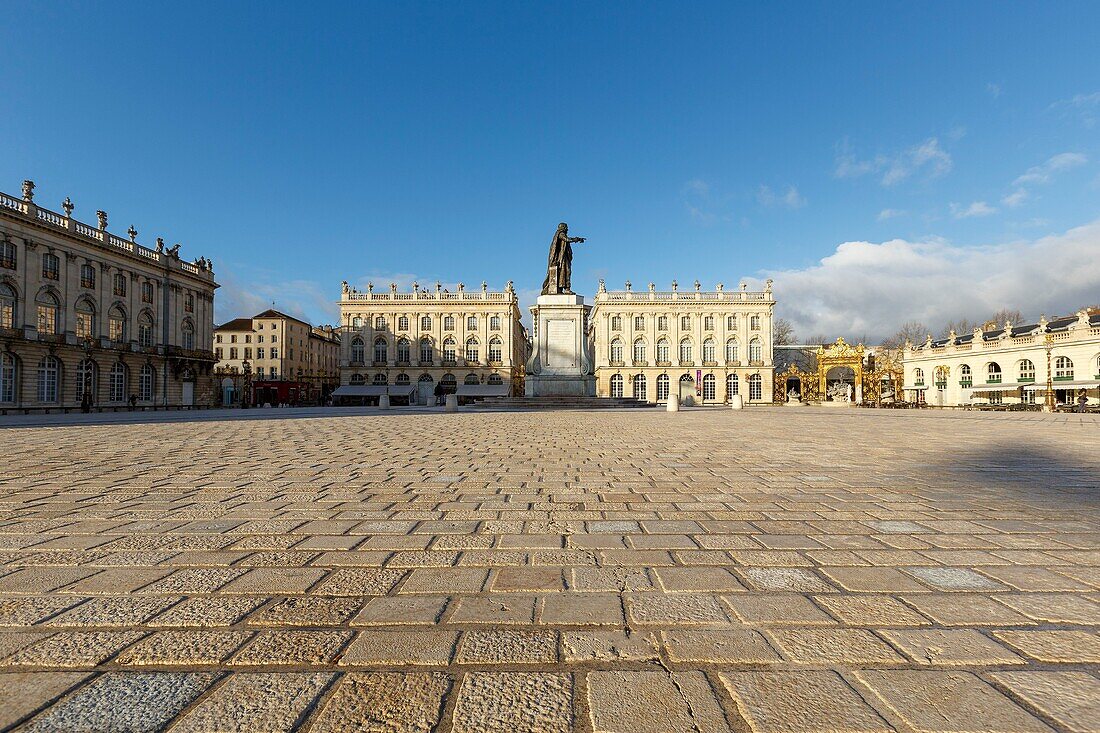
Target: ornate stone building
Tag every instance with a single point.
(470, 342)
(1008, 364)
(90, 317)
(705, 344)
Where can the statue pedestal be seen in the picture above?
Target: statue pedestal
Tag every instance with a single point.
(560, 364)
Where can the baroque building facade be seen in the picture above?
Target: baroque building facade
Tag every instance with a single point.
(467, 342)
(709, 345)
(286, 359)
(1008, 364)
(88, 318)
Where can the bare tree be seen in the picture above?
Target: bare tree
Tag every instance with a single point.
(782, 332)
(960, 326)
(914, 331)
(819, 339)
(1005, 315)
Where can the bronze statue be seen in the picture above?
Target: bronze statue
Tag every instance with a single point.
(559, 268)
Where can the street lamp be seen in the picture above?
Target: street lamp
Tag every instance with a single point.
(246, 393)
(1048, 343)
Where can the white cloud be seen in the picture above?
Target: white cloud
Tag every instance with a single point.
(927, 158)
(1055, 164)
(1015, 198)
(791, 199)
(887, 214)
(978, 208)
(1083, 106)
(869, 289)
(303, 299)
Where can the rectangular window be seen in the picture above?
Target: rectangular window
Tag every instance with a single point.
(51, 266)
(116, 328)
(274, 353)
(232, 352)
(218, 353)
(247, 352)
(147, 292)
(259, 352)
(7, 255)
(87, 276)
(85, 325)
(120, 285)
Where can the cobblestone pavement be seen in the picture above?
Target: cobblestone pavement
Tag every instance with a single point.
(637, 571)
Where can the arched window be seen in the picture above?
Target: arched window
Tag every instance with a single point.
(187, 334)
(471, 350)
(708, 387)
(639, 323)
(756, 350)
(663, 349)
(708, 351)
(966, 376)
(118, 382)
(357, 350)
(731, 323)
(639, 351)
(942, 373)
(7, 254)
(402, 323)
(685, 323)
(616, 351)
(639, 386)
(425, 323)
(756, 387)
(7, 377)
(662, 323)
(380, 323)
(402, 379)
(87, 276)
(448, 323)
(685, 351)
(86, 379)
(496, 379)
(380, 378)
(993, 373)
(616, 323)
(147, 382)
(1063, 368)
(85, 319)
(146, 337)
(49, 374)
(425, 350)
(7, 306)
(358, 379)
(733, 350)
(732, 385)
(471, 323)
(754, 324)
(49, 313)
(918, 376)
(404, 351)
(496, 350)
(448, 383)
(1027, 370)
(449, 351)
(357, 322)
(471, 379)
(616, 385)
(381, 351)
(116, 324)
(662, 387)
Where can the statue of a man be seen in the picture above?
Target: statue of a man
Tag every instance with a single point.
(559, 268)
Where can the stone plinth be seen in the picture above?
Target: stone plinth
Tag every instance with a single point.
(560, 363)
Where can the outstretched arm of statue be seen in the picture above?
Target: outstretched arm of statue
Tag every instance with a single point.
(576, 239)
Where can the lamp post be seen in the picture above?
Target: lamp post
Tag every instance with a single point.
(1048, 405)
(246, 393)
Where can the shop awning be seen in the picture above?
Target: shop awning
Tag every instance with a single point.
(995, 387)
(916, 387)
(483, 390)
(373, 390)
(1078, 384)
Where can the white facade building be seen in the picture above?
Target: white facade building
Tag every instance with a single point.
(1008, 365)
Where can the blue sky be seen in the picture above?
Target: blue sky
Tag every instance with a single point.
(881, 161)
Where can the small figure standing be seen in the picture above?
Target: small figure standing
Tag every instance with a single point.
(559, 268)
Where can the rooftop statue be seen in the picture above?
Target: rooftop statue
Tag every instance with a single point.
(559, 268)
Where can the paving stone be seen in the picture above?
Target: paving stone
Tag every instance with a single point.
(683, 609)
(834, 646)
(948, 701)
(967, 609)
(207, 612)
(275, 581)
(954, 579)
(653, 702)
(611, 579)
(124, 611)
(782, 609)
(73, 649)
(247, 701)
(496, 609)
(291, 648)
(384, 701)
(873, 580)
(1070, 647)
(608, 646)
(1059, 608)
(42, 580)
(445, 580)
(25, 611)
(785, 579)
(116, 581)
(404, 610)
(508, 646)
(120, 701)
(1072, 699)
(26, 692)
(582, 609)
(13, 641)
(193, 580)
(951, 647)
(359, 582)
(528, 580)
(307, 611)
(514, 702)
(718, 646)
(383, 647)
(801, 702)
(183, 648)
(698, 580)
(870, 610)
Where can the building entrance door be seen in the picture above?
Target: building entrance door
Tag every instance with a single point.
(425, 390)
(188, 394)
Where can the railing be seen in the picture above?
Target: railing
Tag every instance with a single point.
(682, 295)
(9, 202)
(430, 295)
